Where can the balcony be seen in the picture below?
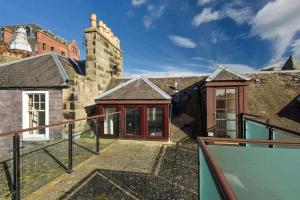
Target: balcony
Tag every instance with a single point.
(264, 164)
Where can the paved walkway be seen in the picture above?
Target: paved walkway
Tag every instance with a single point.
(122, 155)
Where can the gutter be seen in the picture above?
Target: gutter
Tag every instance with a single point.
(61, 69)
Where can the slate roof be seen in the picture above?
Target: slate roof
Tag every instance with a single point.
(138, 88)
(167, 83)
(224, 74)
(183, 83)
(273, 95)
(42, 71)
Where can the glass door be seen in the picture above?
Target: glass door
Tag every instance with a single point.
(111, 122)
(155, 122)
(226, 111)
(132, 121)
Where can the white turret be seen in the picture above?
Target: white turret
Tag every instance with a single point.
(20, 42)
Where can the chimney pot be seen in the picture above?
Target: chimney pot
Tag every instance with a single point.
(93, 20)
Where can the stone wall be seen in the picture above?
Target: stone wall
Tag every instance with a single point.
(103, 54)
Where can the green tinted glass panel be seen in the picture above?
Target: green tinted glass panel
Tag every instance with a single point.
(207, 188)
(256, 131)
(277, 135)
(260, 173)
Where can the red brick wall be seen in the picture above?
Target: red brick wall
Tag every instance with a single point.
(7, 33)
(71, 51)
(74, 52)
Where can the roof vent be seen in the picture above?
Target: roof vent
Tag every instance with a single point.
(296, 79)
(257, 81)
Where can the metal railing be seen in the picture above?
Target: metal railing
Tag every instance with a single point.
(16, 135)
(266, 131)
(222, 185)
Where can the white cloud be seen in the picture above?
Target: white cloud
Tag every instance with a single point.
(275, 64)
(137, 2)
(130, 13)
(296, 48)
(238, 68)
(168, 71)
(154, 13)
(182, 41)
(278, 21)
(239, 15)
(205, 16)
(198, 58)
(217, 36)
(203, 2)
(237, 11)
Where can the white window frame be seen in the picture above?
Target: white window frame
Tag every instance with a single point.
(25, 116)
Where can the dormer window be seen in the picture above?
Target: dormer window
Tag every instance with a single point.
(2, 33)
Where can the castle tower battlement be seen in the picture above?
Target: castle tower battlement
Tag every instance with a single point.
(104, 57)
(104, 30)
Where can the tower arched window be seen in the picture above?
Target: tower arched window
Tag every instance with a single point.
(28, 30)
(2, 33)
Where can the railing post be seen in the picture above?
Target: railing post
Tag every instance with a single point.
(16, 168)
(241, 127)
(70, 151)
(270, 136)
(97, 135)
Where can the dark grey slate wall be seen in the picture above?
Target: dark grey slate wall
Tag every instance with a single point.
(11, 114)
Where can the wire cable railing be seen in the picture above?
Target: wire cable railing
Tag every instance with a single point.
(29, 166)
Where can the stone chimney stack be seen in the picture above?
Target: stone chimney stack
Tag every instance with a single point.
(103, 55)
(93, 20)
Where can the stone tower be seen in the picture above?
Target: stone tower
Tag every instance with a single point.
(103, 54)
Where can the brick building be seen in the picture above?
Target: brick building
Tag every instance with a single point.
(40, 40)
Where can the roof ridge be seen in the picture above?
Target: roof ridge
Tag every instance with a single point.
(25, 24)
(270, 72)
(170, 76)
(155, 87)
(24, 59)
(220, 69)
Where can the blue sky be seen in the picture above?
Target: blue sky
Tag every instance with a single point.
(176, 37)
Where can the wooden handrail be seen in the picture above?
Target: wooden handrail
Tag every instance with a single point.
(252, 115)
(250, 141)
(223, 186)
(18, 131)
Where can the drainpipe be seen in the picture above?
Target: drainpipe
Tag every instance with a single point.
(170, 119)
